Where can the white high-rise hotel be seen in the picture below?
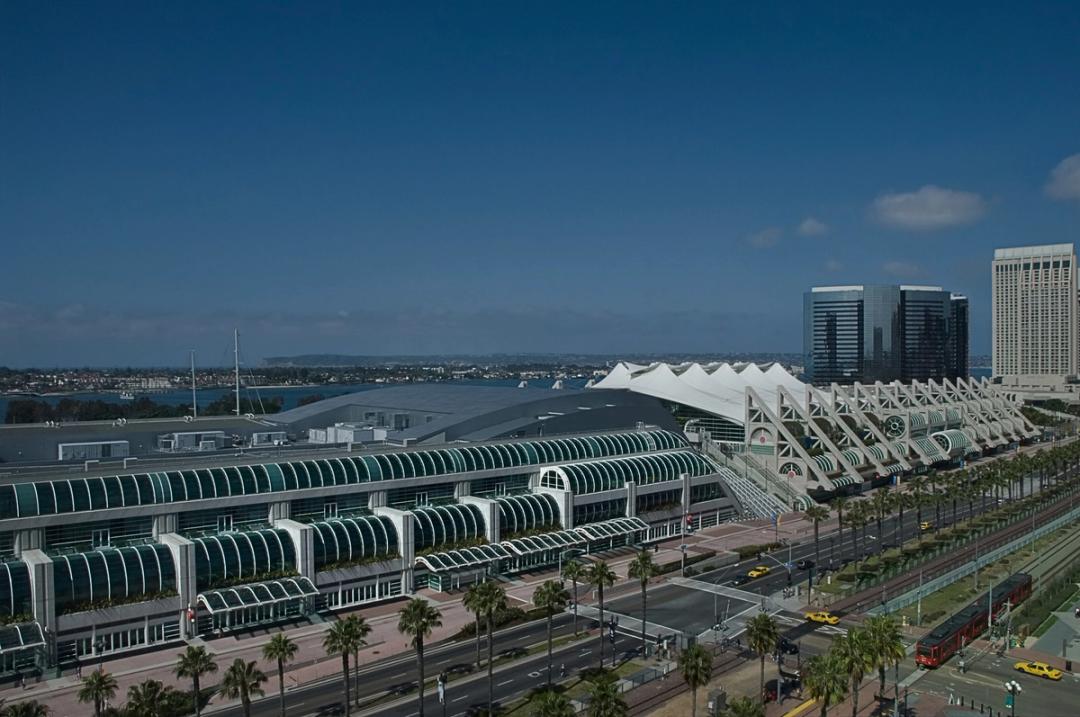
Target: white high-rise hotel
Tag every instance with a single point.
(1035, 311)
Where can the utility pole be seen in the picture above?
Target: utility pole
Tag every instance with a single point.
(194, 403)
(236, 365)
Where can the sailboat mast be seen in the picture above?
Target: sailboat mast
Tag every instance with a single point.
(236, 356)
(194, 403)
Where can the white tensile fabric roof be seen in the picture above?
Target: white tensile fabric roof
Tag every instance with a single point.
(719, 389)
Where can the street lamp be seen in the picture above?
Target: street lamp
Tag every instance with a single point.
(1013, 688)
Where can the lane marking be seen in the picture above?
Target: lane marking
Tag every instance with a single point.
(500, 684)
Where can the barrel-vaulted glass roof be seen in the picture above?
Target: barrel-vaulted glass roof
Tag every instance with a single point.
(346, 539)
(20, 500)
(518, 513)
(597, 476)
(463, 558)
(240, 555)
(269, 592)
(440, 524)
(112, 574)
(25, 636)
(14, 588)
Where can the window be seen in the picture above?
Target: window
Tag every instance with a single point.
(330, 510)
(225, 523)
(100, 538)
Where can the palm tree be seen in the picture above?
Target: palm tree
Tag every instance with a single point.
(98, 688)
(550, 597)
(280, 649)
(241, 681)
(882, 503)
(762, 634)
(744, 707)
(643, 568)
(193, 663)
(918, 491)
(472, 603)
(903, 501)
(605, 699)
(342, 639)
(147, 699)
(26, 708)
(574, 572)
(886, 644)
(825, 681)
(816, 513)
(601, 575)
(695, 664)
(417, 619)
(493, 601)
(854, 655)
(550, 703)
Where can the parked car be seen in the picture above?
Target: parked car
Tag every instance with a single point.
(787, 647)
(804, 564)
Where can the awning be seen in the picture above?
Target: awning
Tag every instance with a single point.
(802, 502)
(533, 544)
(893, 469)
(612, 528)
(825, 463)
(462, 558)
(270, 592)
(23, 636)
(845, 480)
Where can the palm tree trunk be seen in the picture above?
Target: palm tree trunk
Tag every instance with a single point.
(575, 607)
(600, 592)
(693, 703)
(761, 687)
(198, 701)
(817, 553)
(549, 645)
(281, 684)
(881, 678)
(490, 661)
(246, 702)
(420, 671)
(643, 605)
(477, 625)
(345, 678)
(356, 676)
(854, 698)
(97, 707)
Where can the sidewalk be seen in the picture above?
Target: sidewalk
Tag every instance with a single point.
(384, 641)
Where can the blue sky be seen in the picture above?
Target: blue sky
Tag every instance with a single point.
(476, 177)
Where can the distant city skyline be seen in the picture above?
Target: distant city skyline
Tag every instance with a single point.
(477, 179)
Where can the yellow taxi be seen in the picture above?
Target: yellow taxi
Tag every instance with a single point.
(823, 616)
(925, 525)
(1039, 669)
(758, 570)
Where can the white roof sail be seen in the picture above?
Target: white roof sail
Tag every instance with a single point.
(721, 392)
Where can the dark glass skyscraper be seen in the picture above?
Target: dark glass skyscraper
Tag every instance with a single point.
(883, 333)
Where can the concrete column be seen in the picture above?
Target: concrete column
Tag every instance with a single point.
(376, 499)
(462, 488)
(168, 523)
(43, 599)
(303, 538)
(280, 511)
(403, 524)
(183, 555)
(490, 510)
(29, 539)
(631, 499)
(565, 500)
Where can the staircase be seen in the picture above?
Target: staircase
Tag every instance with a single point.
(761, 494)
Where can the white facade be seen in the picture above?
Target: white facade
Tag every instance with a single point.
(1035, 311)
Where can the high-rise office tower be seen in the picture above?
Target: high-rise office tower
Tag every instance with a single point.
(1035, 311)
(884, 333)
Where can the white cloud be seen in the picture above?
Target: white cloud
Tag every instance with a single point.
(1064, 182)
(901, 269)
(812, 227)
(929, 207)
(833, 265)
(765, 238)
